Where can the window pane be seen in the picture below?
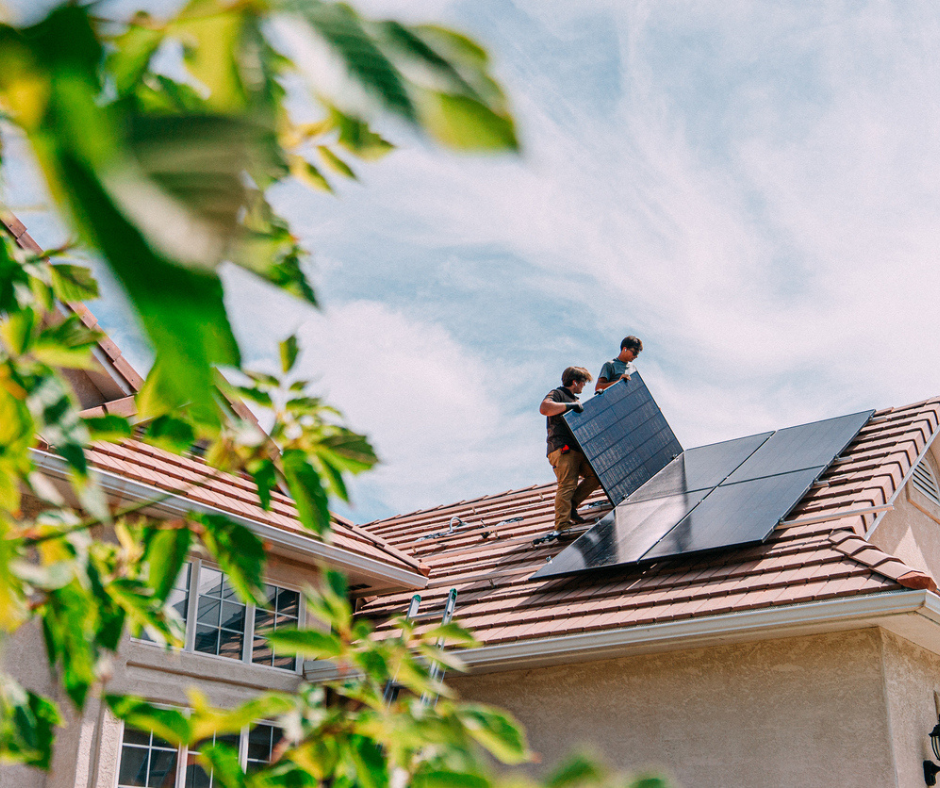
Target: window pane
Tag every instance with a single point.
(134, 736)
(288, 603)
(230, 644)
(162, 769)
(220, 617)
(210, 581)
(261, 742)
(207, 640)
(233, 616)
(208, 611)
(133, 771)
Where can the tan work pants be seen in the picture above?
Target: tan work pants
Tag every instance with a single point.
(569, 496)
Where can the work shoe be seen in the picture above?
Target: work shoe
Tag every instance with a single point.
(577, 518)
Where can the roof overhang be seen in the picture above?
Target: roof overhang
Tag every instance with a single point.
(913, 615)
(295, 544)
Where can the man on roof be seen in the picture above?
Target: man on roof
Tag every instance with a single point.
(620, 368)
(564, 453)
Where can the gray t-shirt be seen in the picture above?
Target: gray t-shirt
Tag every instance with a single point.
(613, 369)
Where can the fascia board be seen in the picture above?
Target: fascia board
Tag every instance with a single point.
(173, 505)
(914, 615)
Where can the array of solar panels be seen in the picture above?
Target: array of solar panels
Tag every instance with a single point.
(723, 495)
(624, 436)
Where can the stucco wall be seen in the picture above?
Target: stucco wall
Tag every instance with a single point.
(798, 712)
(912, 679)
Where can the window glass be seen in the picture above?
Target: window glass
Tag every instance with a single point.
(262, 739)
(196, 776)
(147, 761)
(220, 617)
(281, 612)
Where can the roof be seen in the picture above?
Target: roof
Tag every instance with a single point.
(819, 553)
(195, 484)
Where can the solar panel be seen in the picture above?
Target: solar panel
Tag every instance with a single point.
(722, 495)
(700, 468)
(624, 437)
(805, 446)
(736, 514)
(624, 535)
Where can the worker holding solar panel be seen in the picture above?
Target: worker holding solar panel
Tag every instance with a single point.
(564, 452)
(621, 367)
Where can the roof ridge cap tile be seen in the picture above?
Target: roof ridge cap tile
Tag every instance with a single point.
(865, 553)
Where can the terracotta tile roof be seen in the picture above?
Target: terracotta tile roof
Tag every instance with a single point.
(193, 479)
(818, 553)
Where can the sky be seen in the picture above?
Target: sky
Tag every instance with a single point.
(750, 188)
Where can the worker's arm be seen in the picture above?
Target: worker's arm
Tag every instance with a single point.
(551, 408)
(602, 383)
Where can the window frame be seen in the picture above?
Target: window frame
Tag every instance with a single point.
(189, 645)
(182, 752)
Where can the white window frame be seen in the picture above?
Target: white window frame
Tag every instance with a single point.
(196, 565)
(182, 752)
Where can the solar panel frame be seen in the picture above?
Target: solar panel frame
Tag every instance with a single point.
(624, 436)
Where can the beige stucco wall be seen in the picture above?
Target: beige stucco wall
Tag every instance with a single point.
(801, 712)
(912, 679)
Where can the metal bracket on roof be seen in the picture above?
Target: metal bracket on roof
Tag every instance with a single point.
(455, 524)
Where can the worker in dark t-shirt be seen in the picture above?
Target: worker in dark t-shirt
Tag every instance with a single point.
(564, 454)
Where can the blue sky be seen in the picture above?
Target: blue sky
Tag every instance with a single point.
(750, 188)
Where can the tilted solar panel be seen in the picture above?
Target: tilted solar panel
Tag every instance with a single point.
(712, 497)
(624, 436)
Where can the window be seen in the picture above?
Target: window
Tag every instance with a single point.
(218, 623)
(281, 612)
(147, 761)
(220, 616)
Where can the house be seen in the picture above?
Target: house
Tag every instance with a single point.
(226, 655)
(812, 659)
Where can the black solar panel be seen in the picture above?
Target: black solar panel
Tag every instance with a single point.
(723, 495)
(624, 436)
(736, 514)
(701, 468)
(805, 446)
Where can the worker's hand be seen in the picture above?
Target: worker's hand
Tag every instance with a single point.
(577, 407)
(625, 376)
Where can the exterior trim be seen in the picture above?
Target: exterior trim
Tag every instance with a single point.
(174, 505)
(914, 615)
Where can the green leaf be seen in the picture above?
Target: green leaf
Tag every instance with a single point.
(466, 124)
(371, 765)
(306, 643)
(109, 427)
(307, 491)
(27, 725)
(307, 174)
(221, 760)
(166, 552)
(356, 137)
(171, 433)
(239, 553)
(579, 770)
(73, 282)
(497, 731)
(132, 50)
(264, 472)
(440, 778)
(341, 28)
(289, 350)
(67, 344)
(335, 163)
(169, 724)
(212, 51)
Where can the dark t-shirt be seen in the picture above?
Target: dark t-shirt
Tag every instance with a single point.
(558, 432)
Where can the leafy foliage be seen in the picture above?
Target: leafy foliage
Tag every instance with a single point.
(163, 178)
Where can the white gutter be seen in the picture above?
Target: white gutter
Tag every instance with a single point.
(914, 615)
(174, 505)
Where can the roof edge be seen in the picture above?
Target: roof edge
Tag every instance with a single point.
(914, 615)
(297, 542)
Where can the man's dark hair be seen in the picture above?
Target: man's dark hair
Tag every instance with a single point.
(574, 375)
(631, 343)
